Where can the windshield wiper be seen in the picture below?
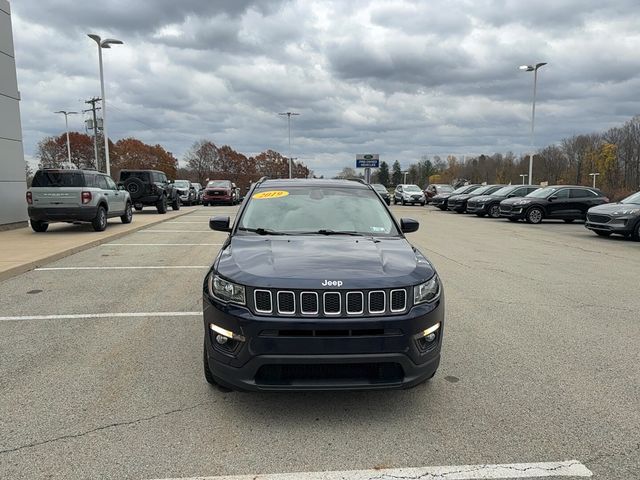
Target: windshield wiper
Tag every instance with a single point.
(326, 231)
(262, 231)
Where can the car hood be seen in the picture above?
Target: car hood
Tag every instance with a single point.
(512, 200)
(307, 261)
(462, 196)
(485, 198)
(609, 208)
(442, 195)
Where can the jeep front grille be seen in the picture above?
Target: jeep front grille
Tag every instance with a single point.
(330, 303)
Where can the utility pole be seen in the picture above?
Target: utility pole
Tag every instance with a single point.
(93, 109)
(288, 114)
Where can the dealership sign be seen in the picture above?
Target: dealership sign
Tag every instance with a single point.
(368, 160)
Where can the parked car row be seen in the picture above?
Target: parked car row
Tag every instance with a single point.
(89, 196)
(534, 204)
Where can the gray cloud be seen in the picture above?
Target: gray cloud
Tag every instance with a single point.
(400, 78)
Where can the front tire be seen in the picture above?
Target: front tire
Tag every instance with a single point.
(175, 205)
(38, 226)
(162, 205)
(636, 232)
(494, 211)
(534, 215)
(208, 375)
(99, 223)
(128, 214)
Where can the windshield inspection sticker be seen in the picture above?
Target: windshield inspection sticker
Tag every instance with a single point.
(377, 229)
(271, 194)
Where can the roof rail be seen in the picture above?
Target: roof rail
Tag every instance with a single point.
(262, 179)
(359, 180)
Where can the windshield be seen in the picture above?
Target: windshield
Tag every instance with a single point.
(58, 178)
(542, 193)
(412, 188)
(379, 187)
(635, 198)
(219, 184)
(460, 189)
(444, 188)
(504, 191)
(314, 208)
(182, 183)
(482, 190)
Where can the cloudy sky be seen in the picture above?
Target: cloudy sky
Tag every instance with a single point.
(399, 78)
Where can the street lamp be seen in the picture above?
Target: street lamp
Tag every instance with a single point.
(523, 175)
(106, 43)
(534, 69)
(405, 176)
(594, 175)
(66, 123)
(288, 114)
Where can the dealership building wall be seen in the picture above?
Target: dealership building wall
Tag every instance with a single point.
(13, 211)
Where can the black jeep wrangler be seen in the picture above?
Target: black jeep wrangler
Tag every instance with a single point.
(150, 188)
(317, 288)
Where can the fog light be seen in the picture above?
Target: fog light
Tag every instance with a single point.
(431, 331)
(430, 338)
(221, 339)
(223, 332)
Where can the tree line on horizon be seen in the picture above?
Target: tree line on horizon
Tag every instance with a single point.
(204, 160)
(614, 154)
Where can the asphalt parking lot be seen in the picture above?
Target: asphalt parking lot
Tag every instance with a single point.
(101, 363)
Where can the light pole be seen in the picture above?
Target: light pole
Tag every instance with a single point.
(534, 69)
(594, 175)
(288, 114)
(106, 43)
(66, 123)
(523, 175)
(405, 176)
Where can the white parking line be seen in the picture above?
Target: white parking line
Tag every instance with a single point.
(571, 468)
(155, 267)
(174, 231)
(157, 244)
(176, 222)
(101, 315)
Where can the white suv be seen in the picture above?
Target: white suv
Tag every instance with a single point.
(407, 193)
(74, 196)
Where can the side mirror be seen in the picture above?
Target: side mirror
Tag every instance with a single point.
(552, 197)
(221, 224)
(120, 186)
(408, 225)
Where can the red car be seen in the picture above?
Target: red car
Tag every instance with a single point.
(436, 189)
(219, 191)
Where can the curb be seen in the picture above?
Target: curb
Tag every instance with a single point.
(26, 267)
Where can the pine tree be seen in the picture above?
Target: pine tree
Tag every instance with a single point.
(396, 176)
(383, 174)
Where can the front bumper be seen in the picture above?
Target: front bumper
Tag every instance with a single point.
(62, 214)
(620, 225)
(217, 198)
(323, 354)
(476, 207)
(512, 212)
(458, 206)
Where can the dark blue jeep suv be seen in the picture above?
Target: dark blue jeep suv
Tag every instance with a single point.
(317, 288)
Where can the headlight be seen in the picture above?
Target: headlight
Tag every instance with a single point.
(630, 211)
(225, 290)
(522, 202)
(427, 291)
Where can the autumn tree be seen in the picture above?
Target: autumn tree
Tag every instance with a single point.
(52, 151)
(202, 159)
(131, 153)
